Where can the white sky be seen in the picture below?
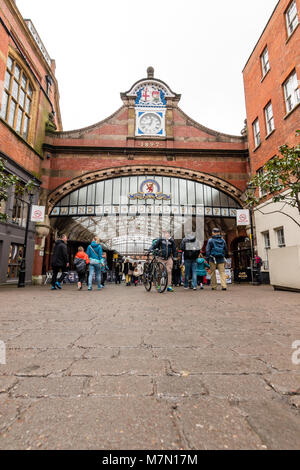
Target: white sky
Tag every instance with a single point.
(198, 47)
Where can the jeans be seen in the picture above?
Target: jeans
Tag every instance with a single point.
(190, 265)
(97, 269)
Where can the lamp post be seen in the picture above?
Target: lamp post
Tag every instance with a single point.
(22, 272)
(251, 189)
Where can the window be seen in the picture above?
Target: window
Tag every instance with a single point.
(291, 17)
(256, 132)
(269, 118)
(20, 209)
(291, 92)
(14, 261)
(280, 237)
(265, 65)
(262, 193)
(267, 246)
(17, 98)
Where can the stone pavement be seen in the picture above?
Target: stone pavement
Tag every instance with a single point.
(126, 369)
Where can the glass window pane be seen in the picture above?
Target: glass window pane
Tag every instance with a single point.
(11, 115)
(215, 197)
(15, 89)
(22, 98)
(99, 192)
(199, 194)
(4, 105)
(25, 127)
(116, 190)
(9, 63)
(28, 105)
(74, 198)
(223, 199)
(191, 192)
(23, 81)
(207, 196)
(17, 72)
(91, 194)
(19, 120)
(82, 196)
(125, 190)
(65, 201)
(7, 80)
(29, 91)
(174, 190)
(182, 192)
(107, 192)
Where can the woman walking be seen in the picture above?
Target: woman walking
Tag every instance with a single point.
(95, 254)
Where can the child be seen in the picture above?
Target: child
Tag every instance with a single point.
(81, 261)
(201, 271)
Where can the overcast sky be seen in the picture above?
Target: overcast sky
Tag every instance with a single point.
(197, 47)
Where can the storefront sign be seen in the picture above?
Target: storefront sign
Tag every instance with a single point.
(242, 217)
(37, 214)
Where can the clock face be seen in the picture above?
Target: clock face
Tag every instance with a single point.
(150, 123)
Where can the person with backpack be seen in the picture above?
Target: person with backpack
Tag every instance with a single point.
(201, 271)
(167, 248)
(81, 261)
(59, 262)
(191, 250)
(95, 254)
(216, 252)
(258, 264)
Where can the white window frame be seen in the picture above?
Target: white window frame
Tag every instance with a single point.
(280, 237)
(291, 92)
(265, 64)
(267, 246)
(291, 17)
(256, 132)
(269, 118)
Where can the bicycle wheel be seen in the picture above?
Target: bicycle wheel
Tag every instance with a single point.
(147, 277)
(160, 277)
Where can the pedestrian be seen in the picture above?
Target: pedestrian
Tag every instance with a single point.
(135, 274)
(201, 271)
(176, 273)
(216, 252)
(167, 248)
(190, 246)
(81, 261)
(127, 270)
(258, 264)
(59, 262)
(95, 254)
(118, 272)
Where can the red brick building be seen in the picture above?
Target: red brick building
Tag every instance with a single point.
(146, 168)
(271, 80)
(29, 103)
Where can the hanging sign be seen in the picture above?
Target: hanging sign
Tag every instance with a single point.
(37, 214)
(242, 217)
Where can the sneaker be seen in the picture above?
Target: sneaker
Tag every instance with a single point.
(201, 287)
(170, 289)
(194, 288)
(99, 288)
(224, 288)
(158, 287)
(53, 288)
(186, 287)
(90, 288)
(58, 284)
(213, 288)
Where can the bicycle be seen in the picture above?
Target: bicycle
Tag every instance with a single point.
(155, 273)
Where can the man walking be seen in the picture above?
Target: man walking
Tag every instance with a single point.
(167, 248)
(216, 252)
(59, 261)
(191, 250)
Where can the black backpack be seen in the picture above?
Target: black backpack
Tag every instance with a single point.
(80, 265)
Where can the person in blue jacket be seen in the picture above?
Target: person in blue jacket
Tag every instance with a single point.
(216, 253)
(95, 254)
(201, 271)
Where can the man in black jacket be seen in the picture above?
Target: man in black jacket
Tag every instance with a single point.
(191, 250)
(59, 261)
(167, 248)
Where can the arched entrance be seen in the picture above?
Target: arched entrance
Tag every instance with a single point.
(129, 207)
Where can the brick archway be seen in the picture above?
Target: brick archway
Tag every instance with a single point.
(138, 170)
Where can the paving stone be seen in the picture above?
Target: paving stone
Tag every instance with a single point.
(211, 424)
(118, 366)
(43, 339)
(94, 423)
(285, 383)
(183, 386)
(120, 386)
(6, 383)
(49, 387)
(237, 388)
(111, 339)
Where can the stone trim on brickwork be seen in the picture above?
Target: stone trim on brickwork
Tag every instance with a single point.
(137, 170)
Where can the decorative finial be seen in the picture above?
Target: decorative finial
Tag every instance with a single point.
(150, 72)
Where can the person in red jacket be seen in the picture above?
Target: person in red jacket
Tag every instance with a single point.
(81, 261)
